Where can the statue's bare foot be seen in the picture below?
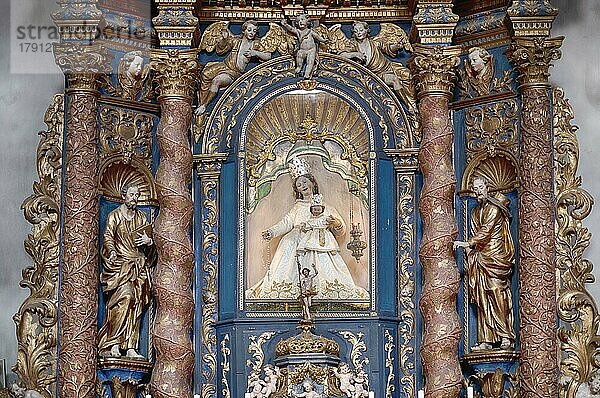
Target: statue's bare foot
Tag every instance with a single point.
(506, 344)
(200, 110)
(114, 351)
(131, 353)
(482, 347)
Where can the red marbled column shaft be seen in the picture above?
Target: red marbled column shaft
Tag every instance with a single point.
(537, 279)
(79, 270)
(173, 368)
(438, 303)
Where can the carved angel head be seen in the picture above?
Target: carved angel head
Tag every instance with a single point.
(478, 60)
(133, 64)
(360, 30)
(250, 29)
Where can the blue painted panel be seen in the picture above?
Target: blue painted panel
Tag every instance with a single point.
(386, 266)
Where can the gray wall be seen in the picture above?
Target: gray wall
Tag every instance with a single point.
(24, 98)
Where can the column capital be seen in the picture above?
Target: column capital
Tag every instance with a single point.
(175, 73)
(532, 58)
(81, 64)
(434, 22)
(175, 23)
(209, 165)
(77, 19)
(433, 69)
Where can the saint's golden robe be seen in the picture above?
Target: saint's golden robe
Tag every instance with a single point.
(126, 281)
(490, 267)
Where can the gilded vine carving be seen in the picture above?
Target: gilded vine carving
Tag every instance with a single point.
(389, 364)
(577, 310)
(359, 360)
(537, 290)
(225, 367)
(36, 320)
(492, 127)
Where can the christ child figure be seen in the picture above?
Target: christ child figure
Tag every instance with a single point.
(315, 232)
(308, 46)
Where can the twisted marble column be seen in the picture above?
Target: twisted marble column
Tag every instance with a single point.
(78, 302)
(433, 69)
(175, 73)
(537, 279)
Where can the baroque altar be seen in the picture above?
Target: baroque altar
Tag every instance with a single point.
(307, 199)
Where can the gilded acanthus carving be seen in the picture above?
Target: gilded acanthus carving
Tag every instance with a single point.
(435, 21)
(532, 58)
(125, 133)
(36, 320)
(175, 23)
(133, 78)
(434, 69)
(82, 64)
(492, 128)
(172, 373)
(577, 311)
(175, 73)
(537, 273)
(225, 366)
(389, 364)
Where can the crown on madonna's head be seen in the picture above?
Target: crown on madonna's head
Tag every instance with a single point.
(298, 167)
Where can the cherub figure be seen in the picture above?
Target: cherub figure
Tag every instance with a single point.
(361, 385)
(372, 51)
(308, 391)
(256, 386)
(307, 45)
(478, 72)
(242, 49)
(346, 377)
(272, 374)
(132, 74)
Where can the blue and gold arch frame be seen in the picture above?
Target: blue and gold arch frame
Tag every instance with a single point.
(227, 325)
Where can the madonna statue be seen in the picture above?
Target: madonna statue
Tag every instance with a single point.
(297, 249)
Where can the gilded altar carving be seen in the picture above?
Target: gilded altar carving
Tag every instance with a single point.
(435, 21)
(127, 134)
(532, 58)
(577, 311)
(175, 23)
(77, 19)
(490, 255)
(225, 366)
(175, 73)
(359, 360)
(217, 37)
(531, 17)
(208, 169)
(477, 75)
(389, 364)
(492, 128)
(127, 255)
(256, 364)
(82, 65)
(133, 78)
(36, 320)
(372, 50)
(433, 68)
